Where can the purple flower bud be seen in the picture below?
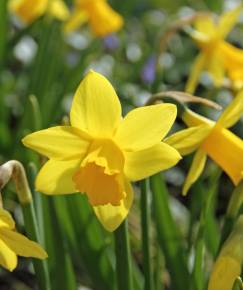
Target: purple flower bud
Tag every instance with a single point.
(149, 70)
(111, 42)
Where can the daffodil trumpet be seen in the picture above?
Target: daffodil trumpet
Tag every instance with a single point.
(211, 138)
(219, 58)
(102, 152)
(13, 243)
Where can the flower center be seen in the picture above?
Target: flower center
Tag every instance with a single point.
(101, 174)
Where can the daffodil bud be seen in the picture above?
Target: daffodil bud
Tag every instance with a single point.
(15, 170)
(228, 264)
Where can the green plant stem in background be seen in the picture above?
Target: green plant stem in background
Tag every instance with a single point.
(123, 258)
(145, 221)
(41, 269)
(168, 235)
(234, 206)
(3, 30)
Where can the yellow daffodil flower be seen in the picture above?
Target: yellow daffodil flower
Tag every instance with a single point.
(101, 152)
(29, 10)
(229, 262)
(213, 139)
(214, 51)
(13, 243)
(98, 13)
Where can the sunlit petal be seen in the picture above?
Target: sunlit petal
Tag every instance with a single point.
(188, 140)
(227, 21)
(196, 169)
(233, 112)
(197, 67)
(60, 143)
(20, 245)
(8, 258)
(146, 126)
(141, 164)
(96, 108)
(56, 177)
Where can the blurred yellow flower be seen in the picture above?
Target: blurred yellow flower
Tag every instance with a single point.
(213, 139)
(215, 52)
(29, 10)
(98, 13)
(228, 264)
(13, 243)
(101, 152)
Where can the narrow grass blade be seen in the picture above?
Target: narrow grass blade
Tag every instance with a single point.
(168, 235)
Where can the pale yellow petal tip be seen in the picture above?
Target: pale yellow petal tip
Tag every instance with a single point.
(185, 190)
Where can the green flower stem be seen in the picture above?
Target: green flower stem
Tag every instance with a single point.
(235, 205)
(123, 258)
(145, 219)
(31, 226)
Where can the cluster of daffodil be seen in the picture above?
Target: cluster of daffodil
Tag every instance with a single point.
(101, 17)
(217, 56)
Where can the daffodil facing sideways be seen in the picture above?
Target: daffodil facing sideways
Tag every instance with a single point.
(13, 243)
(218, 57)
(211, 138)
(101, 152)
(98, 13)
(227, 267)
(29, 10)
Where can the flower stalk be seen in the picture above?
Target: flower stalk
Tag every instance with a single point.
(123, 258)
(145, 221)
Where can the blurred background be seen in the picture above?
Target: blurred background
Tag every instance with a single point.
(40, 69)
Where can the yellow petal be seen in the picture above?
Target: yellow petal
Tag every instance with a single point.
(215, 67)
(103, 19)
(145, 127)
(225, 271)
(27, 10)
(227, 21)
(197, 67)
(233, 112)
(188, 140)
(233, 56)
(60, 143)
(76, 20)
(192, 119)
(6, 220)
(96, 108)
(8, 258)
(228, 264)
(112, 216)
(226, 149)
(141, 164)
(196, 169)
(56, 177)
(20, 245)
(58, 9)
(205, 25)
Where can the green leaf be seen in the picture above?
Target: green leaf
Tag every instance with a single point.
(168, 235)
